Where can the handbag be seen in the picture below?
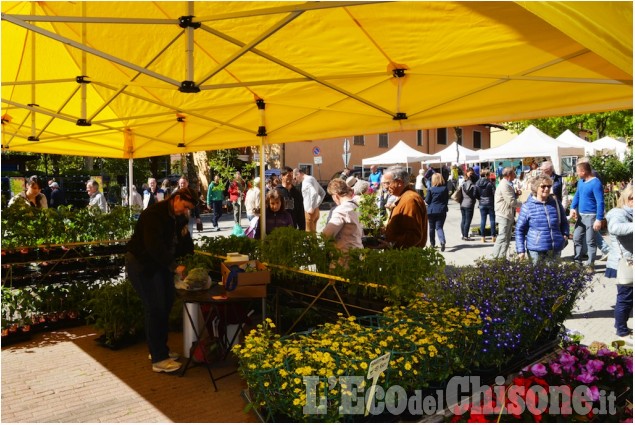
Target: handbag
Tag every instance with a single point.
(457, 196)
(624, 269)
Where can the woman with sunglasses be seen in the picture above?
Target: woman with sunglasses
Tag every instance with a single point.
(542, 229)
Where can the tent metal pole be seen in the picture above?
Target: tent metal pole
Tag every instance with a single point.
(189, 48)
(130, 177)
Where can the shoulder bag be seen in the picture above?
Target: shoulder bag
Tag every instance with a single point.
(457, 196)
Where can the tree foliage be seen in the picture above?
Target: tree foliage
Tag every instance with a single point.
(612, 123)
(611, 169)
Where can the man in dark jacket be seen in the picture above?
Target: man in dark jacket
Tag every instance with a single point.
(57, 196)
(547, 168)
(158, 240)
(485, 194)
(293, 200)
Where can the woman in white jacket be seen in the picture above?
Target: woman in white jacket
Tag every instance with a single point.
(252, 199)
(620, 227)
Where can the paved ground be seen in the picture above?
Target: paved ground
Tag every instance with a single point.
(66, 377)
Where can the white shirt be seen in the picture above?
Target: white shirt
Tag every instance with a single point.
(312, 194)
(252, 200)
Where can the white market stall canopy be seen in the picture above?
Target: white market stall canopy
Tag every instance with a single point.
(135, 79)
(570, 138)
(609, 145)
(449, 154)
(532, 143)
(401, 153)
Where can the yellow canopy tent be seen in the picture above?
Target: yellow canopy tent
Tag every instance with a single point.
(138, 79)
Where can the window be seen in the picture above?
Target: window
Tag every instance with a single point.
(442, 136)
(306, 168)
(419, 137)
(476, 139)
(383, 140)
(358, 140)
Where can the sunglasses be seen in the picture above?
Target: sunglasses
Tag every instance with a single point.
(545, 186)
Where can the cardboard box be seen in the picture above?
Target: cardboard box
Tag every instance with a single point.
(250, 284)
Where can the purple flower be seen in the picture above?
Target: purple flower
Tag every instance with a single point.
(605, 352)
(539, 370)
(567, 361)
(594, 393)
(628, 363)
(594, 366)
(611, 369)
(586, 378)
(555, 368)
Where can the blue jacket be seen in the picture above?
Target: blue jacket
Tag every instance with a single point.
(437, 199)
(538, 229)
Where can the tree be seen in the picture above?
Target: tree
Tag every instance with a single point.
(612, 123)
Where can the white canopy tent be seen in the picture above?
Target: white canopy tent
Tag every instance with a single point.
(456, 153)
(570, 138)
(400, 154)
(608, 144)
(533, 143)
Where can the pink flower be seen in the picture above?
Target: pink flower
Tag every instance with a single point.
(594, 366)
(555, 368)
(628, 362)
(611, 369)
(567, 361)
(594, 393)
(539, 369)
(605, 352)
(586, 378)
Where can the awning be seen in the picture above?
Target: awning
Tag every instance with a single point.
(138, 79)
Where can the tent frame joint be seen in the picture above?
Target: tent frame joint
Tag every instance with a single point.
(260, 103)
(400, 116)
(83, 122)
(399, 72)
(189, 87)
(187, 22)
(262, 131)
(82, 79)
(33, 139)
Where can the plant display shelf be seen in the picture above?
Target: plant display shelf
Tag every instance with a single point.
(42, 263)
(322, 294)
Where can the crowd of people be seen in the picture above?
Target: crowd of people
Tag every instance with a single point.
(529, 209)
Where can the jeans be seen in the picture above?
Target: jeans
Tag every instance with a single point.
(436, 222)
(237, 207)
(584, 233)
(217, 211)
(501, 246)
(466, 220)
(623, 308)
(485, 211)
(537, 256)
(156, 290)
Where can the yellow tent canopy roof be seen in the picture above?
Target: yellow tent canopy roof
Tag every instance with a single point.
(138, 79)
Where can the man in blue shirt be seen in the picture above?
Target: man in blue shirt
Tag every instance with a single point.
(375, 177)
(587, 209)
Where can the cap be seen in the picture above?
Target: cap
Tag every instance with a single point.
(350, 182)
(257, 180)
(54, 184)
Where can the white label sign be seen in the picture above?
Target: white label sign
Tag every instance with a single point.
(317, 159)
(375, 369)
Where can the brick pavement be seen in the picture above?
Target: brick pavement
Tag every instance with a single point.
(65, 376)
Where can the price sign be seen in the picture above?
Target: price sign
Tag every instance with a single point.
(375, 369)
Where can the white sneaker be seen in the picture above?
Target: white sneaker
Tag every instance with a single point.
(167, 366)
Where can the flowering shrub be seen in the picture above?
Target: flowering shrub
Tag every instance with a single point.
(517, 301)
(607, 395)
(275, 368)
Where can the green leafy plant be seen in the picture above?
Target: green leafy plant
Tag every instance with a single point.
(369, 216)
(116, 310)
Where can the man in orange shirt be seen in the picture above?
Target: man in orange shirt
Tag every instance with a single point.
(408, 224)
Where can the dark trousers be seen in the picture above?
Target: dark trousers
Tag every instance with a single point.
(466, 220)
(485, 211)
(156, 289)
(436, 222)
(217, 211)
(623, 308)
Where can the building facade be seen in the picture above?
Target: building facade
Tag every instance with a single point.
(324, 158)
